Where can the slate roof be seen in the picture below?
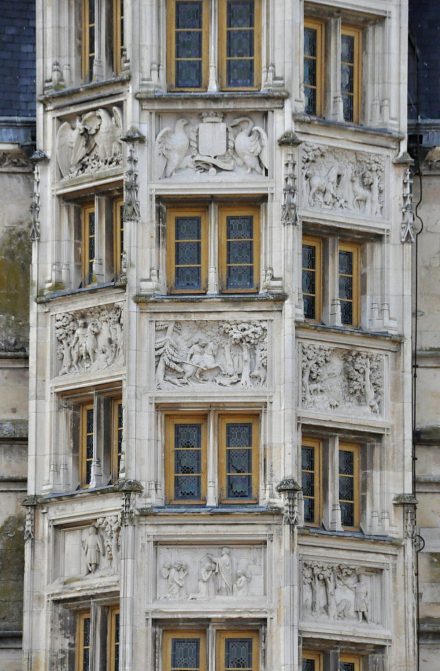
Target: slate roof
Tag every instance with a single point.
(17, 58)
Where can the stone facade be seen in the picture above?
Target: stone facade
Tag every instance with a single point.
(141, 381)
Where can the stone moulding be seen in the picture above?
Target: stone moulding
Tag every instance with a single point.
(340, 594)
(342, 381)
(340, 181)
(211, 354)
(90, 340)
(209, 572)
(91, 144)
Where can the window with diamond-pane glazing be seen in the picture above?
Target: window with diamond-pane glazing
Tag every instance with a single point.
(83, 642)
(349, 283)
(238, 458)
(187, 44)
(239, 28)
(184, 651)
(313, 67)
(349, 485)
(86, 442)
(186, 471)
(311, 278)
(187, 250)
(312, 661)
(311, 479)
(350, 73)
(239, 250)
(237, 650)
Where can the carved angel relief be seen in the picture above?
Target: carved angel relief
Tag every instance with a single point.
(224, 354)
(341, 592)
(92, 144)
(212, 146)
(342, 180)
(344, 381)
(90, 341)
(195, 574)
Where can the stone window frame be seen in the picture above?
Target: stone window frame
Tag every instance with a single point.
(212, 419)
(211, 637)
(371, 94)
(328, 444)
(105, 402)
(331, 659)
(213, 244)
(328, 302)
(214, 48)
(107, 263)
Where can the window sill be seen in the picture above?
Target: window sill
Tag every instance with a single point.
(173, 509)
(348, 126)
(61, 293)
(193, 298)
(266, 94)
(349, 330)
(358, 535)
(87, 87)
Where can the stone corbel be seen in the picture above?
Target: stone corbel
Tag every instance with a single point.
(409, 505)
(289, 490)
(129, 489)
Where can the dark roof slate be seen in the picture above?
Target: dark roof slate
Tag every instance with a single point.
(17, 58)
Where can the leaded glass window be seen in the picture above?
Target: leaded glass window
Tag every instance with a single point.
(311, 278)
(187, 45)
(185, 654)
(238, 654)
(311, 477)
(83, 651)
(238, 458)
(313, 66)
(88, 243)
(349, 485)
(239, 253)
(240, 44)
(350, 73)
(188, 244)
(186, 459)
(87, 442)
(88, 38)
(348, 280)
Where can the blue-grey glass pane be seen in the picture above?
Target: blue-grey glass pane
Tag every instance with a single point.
(346, 666)
(240, 13)
(117, 630)
(238, 653)
(346, 462)
(347, 83)
(188, 278)
(187, 253)
(187, 487)
(185, 654)
(308, 483)
(346, 488)
(89, 423)
(346, 312)
(309, 510)
(310, 42)
(188, 74)
(308, 256)
(188, 228)
(240, 43)
(240, 277)
(240, 73)
(310, 100)
(345, 287)
(86, 631)
(239, 228)
(308, 282)
(346, 263)
(187, 462)
(348, 109)
(188, 436)
(347, 48)
(347, 514)
(239, 461)
(189, 14)
(92, 223)
(239, 435)
(309, 307)
(310, 71)
(239, 486)
(240, 252)
(188, 44)
(308, 458)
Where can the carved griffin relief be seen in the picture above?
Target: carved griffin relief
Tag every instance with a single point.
(338, 179)
(341, 592)
(212, 146)
(340, 380)
(90, 341)
(92, 144)
(197, 573)
(224, 354)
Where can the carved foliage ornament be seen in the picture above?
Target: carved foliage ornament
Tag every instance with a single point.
(341, 592)
(346, 381)
(408, 208)
(223, 354)
(90, 341)
(91, 144)
(194, 574)
(212, 146)
(341, 180)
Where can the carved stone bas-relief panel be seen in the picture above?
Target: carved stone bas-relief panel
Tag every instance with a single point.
(341, 180)
(339, 593)
(90, 144)
(211, 353)
(90, 340)
(341, 380)
(210, 572)
(91, 551)
(210, 144)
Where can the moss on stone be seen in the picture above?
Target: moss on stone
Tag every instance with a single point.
(15, 260)
(11, 573)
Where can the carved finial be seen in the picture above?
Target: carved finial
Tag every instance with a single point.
(289, 489)
(289, 214)
(133, 135)
(407, 208)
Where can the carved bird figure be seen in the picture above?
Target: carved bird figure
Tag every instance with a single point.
(251, 146)
(173, 147)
